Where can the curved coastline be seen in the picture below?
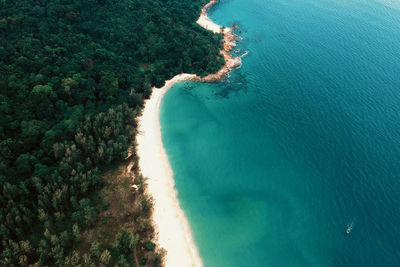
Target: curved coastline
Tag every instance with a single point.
(172, 228)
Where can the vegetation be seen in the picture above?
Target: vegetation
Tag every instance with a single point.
(73, 77)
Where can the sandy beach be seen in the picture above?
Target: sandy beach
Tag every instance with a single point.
(170, 223)
(206, 22)
(229, 43)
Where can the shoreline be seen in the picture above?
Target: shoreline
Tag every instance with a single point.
(171, 226)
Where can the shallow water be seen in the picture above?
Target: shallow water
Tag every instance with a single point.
(273, 164)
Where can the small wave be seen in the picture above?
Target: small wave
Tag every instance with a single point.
(244, 54)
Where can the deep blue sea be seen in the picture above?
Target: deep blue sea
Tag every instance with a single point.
(273, 164)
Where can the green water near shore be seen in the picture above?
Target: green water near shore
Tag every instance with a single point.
(272, 164)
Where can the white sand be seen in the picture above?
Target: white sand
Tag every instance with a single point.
(170, 223)
(206, 22)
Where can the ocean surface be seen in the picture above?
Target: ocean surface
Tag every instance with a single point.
(303, 140)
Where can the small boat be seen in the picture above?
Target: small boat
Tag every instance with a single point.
(348, 230)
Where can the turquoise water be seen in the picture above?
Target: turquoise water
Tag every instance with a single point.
(273, 164)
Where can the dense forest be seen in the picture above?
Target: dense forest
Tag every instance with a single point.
(73, 77)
